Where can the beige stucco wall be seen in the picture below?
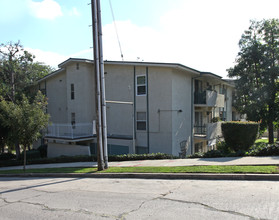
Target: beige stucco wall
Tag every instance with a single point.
(181, 100)
(56, 91)
(83, 104)
(120, 82)
(160, 118)
(119, 87)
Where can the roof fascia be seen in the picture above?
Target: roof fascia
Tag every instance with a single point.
(151, 64)
(51, 75)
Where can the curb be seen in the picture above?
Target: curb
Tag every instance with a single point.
(171, 176)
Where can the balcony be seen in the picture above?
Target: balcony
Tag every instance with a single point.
(208, 131)
(209, 98)
(69, 131)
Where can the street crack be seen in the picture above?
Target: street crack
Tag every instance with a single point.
(47, 208)
(211, 208)
(162, 195)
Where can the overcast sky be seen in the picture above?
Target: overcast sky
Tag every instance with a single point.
(201, 34)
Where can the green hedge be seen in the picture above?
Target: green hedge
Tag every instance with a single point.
(240, 136)
(31, 155)
(7, 156)
(265, 150)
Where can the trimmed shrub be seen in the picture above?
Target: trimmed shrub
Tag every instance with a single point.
(213, 153)
(43, 150)
(31, 155)
(152, 156)
(240, 136)
(223, 147)
(7, 156)
(196, 155)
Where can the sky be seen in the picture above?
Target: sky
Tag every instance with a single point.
(200, 34)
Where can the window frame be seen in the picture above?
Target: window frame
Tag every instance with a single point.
(141, 85)
(141, 121)
(72, 91)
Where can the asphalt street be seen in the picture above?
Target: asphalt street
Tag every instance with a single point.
(85, 198)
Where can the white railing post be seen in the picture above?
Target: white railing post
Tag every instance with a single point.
(70, 131)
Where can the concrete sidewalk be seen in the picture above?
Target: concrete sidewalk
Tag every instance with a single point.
(274, 160)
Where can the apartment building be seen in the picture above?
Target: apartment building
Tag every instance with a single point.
(152, 107)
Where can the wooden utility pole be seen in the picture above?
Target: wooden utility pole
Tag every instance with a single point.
(99, 85)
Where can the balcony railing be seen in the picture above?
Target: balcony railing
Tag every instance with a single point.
(69, 131)
(209, 98)
(200, 98)
(209, 131)
(200, 129)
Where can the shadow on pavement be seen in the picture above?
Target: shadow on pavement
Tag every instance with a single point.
(220, 159)
(35, 186)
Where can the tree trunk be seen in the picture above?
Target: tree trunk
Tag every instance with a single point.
(277, 134)
(24, 160)
(17, 148)
(270, 133)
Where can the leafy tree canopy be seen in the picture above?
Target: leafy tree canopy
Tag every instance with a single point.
(18, 71)
(24, 118)
(20, 105)
(257, 73)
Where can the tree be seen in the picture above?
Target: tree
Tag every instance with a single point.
(19, 72)
(25, 118)
(4, 132)
(18, 76)
(257, 72)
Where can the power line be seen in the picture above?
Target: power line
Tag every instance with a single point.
(115, 27)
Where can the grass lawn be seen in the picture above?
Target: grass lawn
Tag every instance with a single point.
(178, 169)
(258, 141)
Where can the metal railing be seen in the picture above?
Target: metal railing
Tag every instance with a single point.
(209, 98)
(210, 130)
(200, 129)
(200, 97)
(72, 131)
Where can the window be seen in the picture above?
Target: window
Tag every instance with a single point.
(72, 91)
(141, 121)
(141, 85)
(73, 119)
(222, 90)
